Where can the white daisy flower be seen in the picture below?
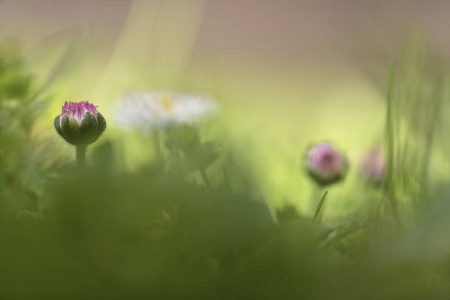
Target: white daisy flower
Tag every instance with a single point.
(159, 110)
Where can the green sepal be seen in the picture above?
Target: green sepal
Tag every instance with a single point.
(101, 125)
(88, 132)
(71, 130)
(65, 124)
(88, 129)
(74, 132)
(57, 124)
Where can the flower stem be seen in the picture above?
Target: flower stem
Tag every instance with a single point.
(81, 155)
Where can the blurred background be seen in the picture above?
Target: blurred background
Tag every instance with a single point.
(285, 73)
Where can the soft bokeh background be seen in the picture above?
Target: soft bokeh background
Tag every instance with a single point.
(285, 73)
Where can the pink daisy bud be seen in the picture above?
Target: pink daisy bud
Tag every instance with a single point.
(373, 166)
(80, 123)
(325, 164)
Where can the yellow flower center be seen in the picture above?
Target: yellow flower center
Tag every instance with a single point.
(166, 103)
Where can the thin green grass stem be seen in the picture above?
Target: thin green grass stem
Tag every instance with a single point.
(319, 207)
(390, 146)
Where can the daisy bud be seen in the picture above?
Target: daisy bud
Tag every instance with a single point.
(325, 164)
(373, 166)
(80, 123)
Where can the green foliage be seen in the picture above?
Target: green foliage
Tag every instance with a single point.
(27, 156)
(14, 80)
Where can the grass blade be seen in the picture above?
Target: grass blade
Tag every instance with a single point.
(319, 207)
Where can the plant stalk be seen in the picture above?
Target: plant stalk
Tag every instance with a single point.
(81, 155)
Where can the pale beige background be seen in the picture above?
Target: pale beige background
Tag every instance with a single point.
(283, 30)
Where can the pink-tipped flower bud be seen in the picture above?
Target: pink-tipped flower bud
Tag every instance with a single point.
(373, 166)
(325, 164)
(80, 123)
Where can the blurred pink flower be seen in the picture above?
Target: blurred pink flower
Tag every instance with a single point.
(325, 164)
(373, 166)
